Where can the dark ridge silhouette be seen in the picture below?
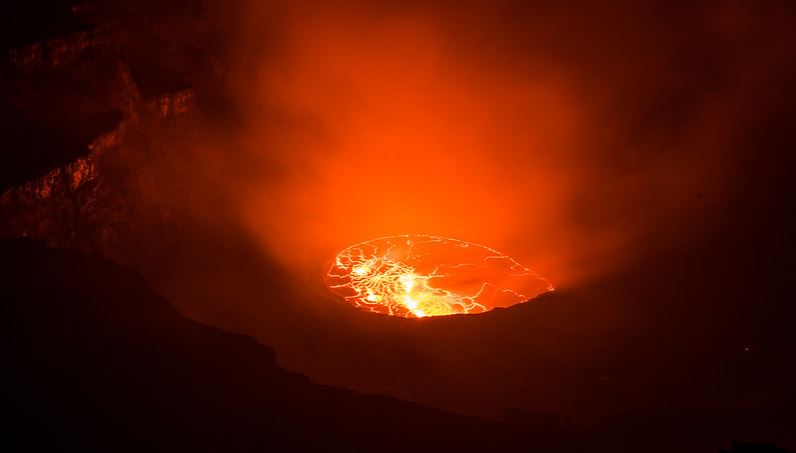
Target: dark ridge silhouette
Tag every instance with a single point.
(98, 361)
(746, 447)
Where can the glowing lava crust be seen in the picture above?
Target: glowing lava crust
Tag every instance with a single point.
(418, 275)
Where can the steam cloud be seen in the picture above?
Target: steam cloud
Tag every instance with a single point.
(569, 137)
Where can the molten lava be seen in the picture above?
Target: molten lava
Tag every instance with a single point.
(418, 275)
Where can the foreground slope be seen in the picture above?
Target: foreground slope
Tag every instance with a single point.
(97, 360)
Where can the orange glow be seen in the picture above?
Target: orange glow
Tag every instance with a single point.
(363, 123)
(418, 276)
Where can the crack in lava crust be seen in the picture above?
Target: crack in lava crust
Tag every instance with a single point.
(414, 276)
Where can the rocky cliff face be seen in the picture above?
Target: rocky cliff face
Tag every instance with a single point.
(109, 192)
(85, 204)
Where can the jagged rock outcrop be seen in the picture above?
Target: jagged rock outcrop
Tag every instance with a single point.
(89, 204)
(108, 187)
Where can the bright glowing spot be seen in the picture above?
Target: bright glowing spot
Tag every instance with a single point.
(419, 275)
(361, 270)
(408, 281)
